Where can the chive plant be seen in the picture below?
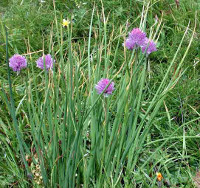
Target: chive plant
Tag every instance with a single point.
(79, 137)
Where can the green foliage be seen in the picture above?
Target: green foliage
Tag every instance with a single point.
(54, 128)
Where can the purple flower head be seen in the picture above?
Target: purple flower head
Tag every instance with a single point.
(136, 38)
(130, 44)
(101, 85)
(17, 62)
(47, 60)
(149, 46)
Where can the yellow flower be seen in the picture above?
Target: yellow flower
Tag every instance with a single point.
(159, 176)
(65, 23)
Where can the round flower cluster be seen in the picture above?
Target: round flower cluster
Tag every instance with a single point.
(46, 61)
(137, 38)
(18, 62)
(104, 86)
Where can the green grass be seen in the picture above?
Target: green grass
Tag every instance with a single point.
(73, 136)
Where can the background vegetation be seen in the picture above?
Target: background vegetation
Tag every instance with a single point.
(171, 144)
